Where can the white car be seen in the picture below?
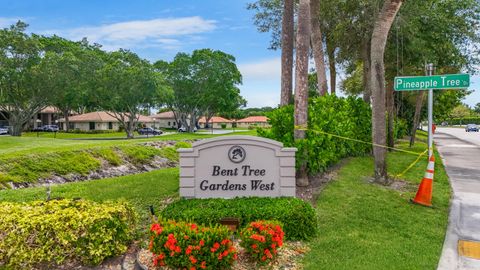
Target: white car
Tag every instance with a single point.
(3, 131)
(184, 129)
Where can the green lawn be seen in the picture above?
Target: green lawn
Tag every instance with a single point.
(14, 146)
(367, 226)
(141, 190)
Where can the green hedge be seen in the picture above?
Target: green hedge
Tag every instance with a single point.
(463, 121)
(345, 117)
(51, 233)
(298, 217)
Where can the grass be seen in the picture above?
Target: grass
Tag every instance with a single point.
(18, 146)
(141, 190)
(368, 226)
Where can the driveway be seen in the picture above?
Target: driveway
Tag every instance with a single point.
(460, 152)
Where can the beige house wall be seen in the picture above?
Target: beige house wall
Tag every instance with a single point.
(166, 123)
(85, 126)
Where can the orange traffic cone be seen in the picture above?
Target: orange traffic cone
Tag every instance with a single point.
(424, 193)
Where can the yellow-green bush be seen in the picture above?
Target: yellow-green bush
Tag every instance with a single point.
(50, 233)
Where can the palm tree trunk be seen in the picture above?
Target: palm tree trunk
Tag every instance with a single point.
(301, 80)
(379, 39)
(317, 47)
(416, 117)
(287, 52)
(331, 64)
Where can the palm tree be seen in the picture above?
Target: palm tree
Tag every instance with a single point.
(287, 52)
(379, 39)
(301, 79)
(317, 46)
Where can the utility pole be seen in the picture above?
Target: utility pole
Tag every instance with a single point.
(429, 68)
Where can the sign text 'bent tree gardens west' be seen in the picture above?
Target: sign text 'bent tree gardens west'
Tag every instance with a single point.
(237, 166)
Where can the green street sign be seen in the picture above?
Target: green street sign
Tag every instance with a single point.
(447, 81)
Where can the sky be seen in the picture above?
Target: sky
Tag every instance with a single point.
(159, 29)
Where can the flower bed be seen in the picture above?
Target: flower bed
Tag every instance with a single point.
(186, 245)
(261, 239)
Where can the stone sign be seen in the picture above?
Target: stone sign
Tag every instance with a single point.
(237, 166)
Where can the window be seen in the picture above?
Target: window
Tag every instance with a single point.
(174, 123)
(110, 125)
(168, 123)
(71, 125)
(92, 125)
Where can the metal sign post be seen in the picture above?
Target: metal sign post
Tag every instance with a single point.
(429, 68)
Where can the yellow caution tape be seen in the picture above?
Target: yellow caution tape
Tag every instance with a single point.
(413, 164)
(360, 141)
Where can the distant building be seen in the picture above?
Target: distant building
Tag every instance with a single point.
(216, 121)
(47, 116)
(164, 120)
(255, 121)
(99, 121)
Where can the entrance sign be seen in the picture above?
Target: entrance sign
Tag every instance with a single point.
(237, 166)
(447, 81)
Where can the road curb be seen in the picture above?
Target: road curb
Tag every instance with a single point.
(449, 257)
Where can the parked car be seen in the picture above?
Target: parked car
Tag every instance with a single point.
(149, 131)
(471, 127)
(3, 130)
(184, 129)
(50, 128)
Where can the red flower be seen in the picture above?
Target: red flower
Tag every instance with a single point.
(264, 258)
(225, 253)
(235, 256)
(267, 252)
(156, 228)
(193, 260)
(202, 242)
(216, 245)
(178, 249)
(203, 265)
(273, 246)
(193, 268)
(193, 226)
(185, 237)
(225, 241)
(254, 246)
(188, 250)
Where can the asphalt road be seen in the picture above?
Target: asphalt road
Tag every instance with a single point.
(460, 152)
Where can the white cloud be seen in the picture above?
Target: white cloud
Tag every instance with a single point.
(162, 32)
(268, 69)
(7, 21)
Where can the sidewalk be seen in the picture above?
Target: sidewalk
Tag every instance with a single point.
(461, 157)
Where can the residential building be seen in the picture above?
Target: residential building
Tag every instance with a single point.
(253, 121)
(99, 121)
(164, 120)
(216, 121)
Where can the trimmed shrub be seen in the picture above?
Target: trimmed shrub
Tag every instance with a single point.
(188, 246)
(298, 217)
(400, 129)
(261, 239)
(50, 233)
(327, 115)
(223, 125)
